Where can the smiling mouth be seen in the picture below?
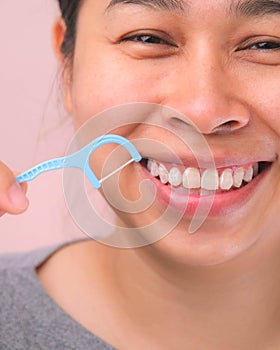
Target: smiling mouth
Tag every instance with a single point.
(204, 181)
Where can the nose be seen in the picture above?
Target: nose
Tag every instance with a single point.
(204, 92)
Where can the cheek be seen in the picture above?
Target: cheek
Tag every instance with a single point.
(262, 93)
(267, 98)
(98, 87)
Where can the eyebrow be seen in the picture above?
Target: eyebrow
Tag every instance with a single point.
(238, 8)
(254, 8)
(170, 5)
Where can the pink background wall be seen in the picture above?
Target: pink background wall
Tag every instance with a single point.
(34, 125)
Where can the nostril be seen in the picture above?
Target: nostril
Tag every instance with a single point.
(228, 126)
(224, 128)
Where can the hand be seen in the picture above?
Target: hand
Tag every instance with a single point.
(12, 194)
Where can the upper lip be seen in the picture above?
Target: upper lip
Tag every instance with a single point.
(201, 161)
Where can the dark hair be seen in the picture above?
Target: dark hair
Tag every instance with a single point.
(69, 12)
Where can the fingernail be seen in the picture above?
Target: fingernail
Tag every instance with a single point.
(17, 197)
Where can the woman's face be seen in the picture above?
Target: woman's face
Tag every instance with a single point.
(217, 62)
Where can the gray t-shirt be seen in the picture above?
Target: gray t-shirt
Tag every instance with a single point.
(29, 318)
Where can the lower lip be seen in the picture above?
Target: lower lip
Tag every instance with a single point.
(221, 204)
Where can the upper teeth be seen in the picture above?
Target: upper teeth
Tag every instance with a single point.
(209, 179)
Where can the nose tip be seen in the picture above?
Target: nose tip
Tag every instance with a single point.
(207, 96)
(207, 122)
(213, 112)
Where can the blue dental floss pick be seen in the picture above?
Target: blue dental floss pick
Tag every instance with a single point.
(80, 159)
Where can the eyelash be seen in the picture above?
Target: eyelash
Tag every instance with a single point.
(263, 46)
(148, 39)
(155, 40)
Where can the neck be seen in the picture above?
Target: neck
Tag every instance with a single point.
(219, 302)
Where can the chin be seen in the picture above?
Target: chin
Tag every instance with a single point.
(207, 247)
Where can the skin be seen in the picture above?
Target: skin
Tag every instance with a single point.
(218, 289)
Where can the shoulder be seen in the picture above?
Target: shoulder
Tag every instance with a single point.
(23, 304)
(14, 261)
(31, 259)
(18, 288)
(18, 279)
(18, 270)
(29, 318)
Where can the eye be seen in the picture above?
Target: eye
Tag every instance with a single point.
(265, 51)
(148, 39)
(148, 44)
(266, 45)
(262, 46)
